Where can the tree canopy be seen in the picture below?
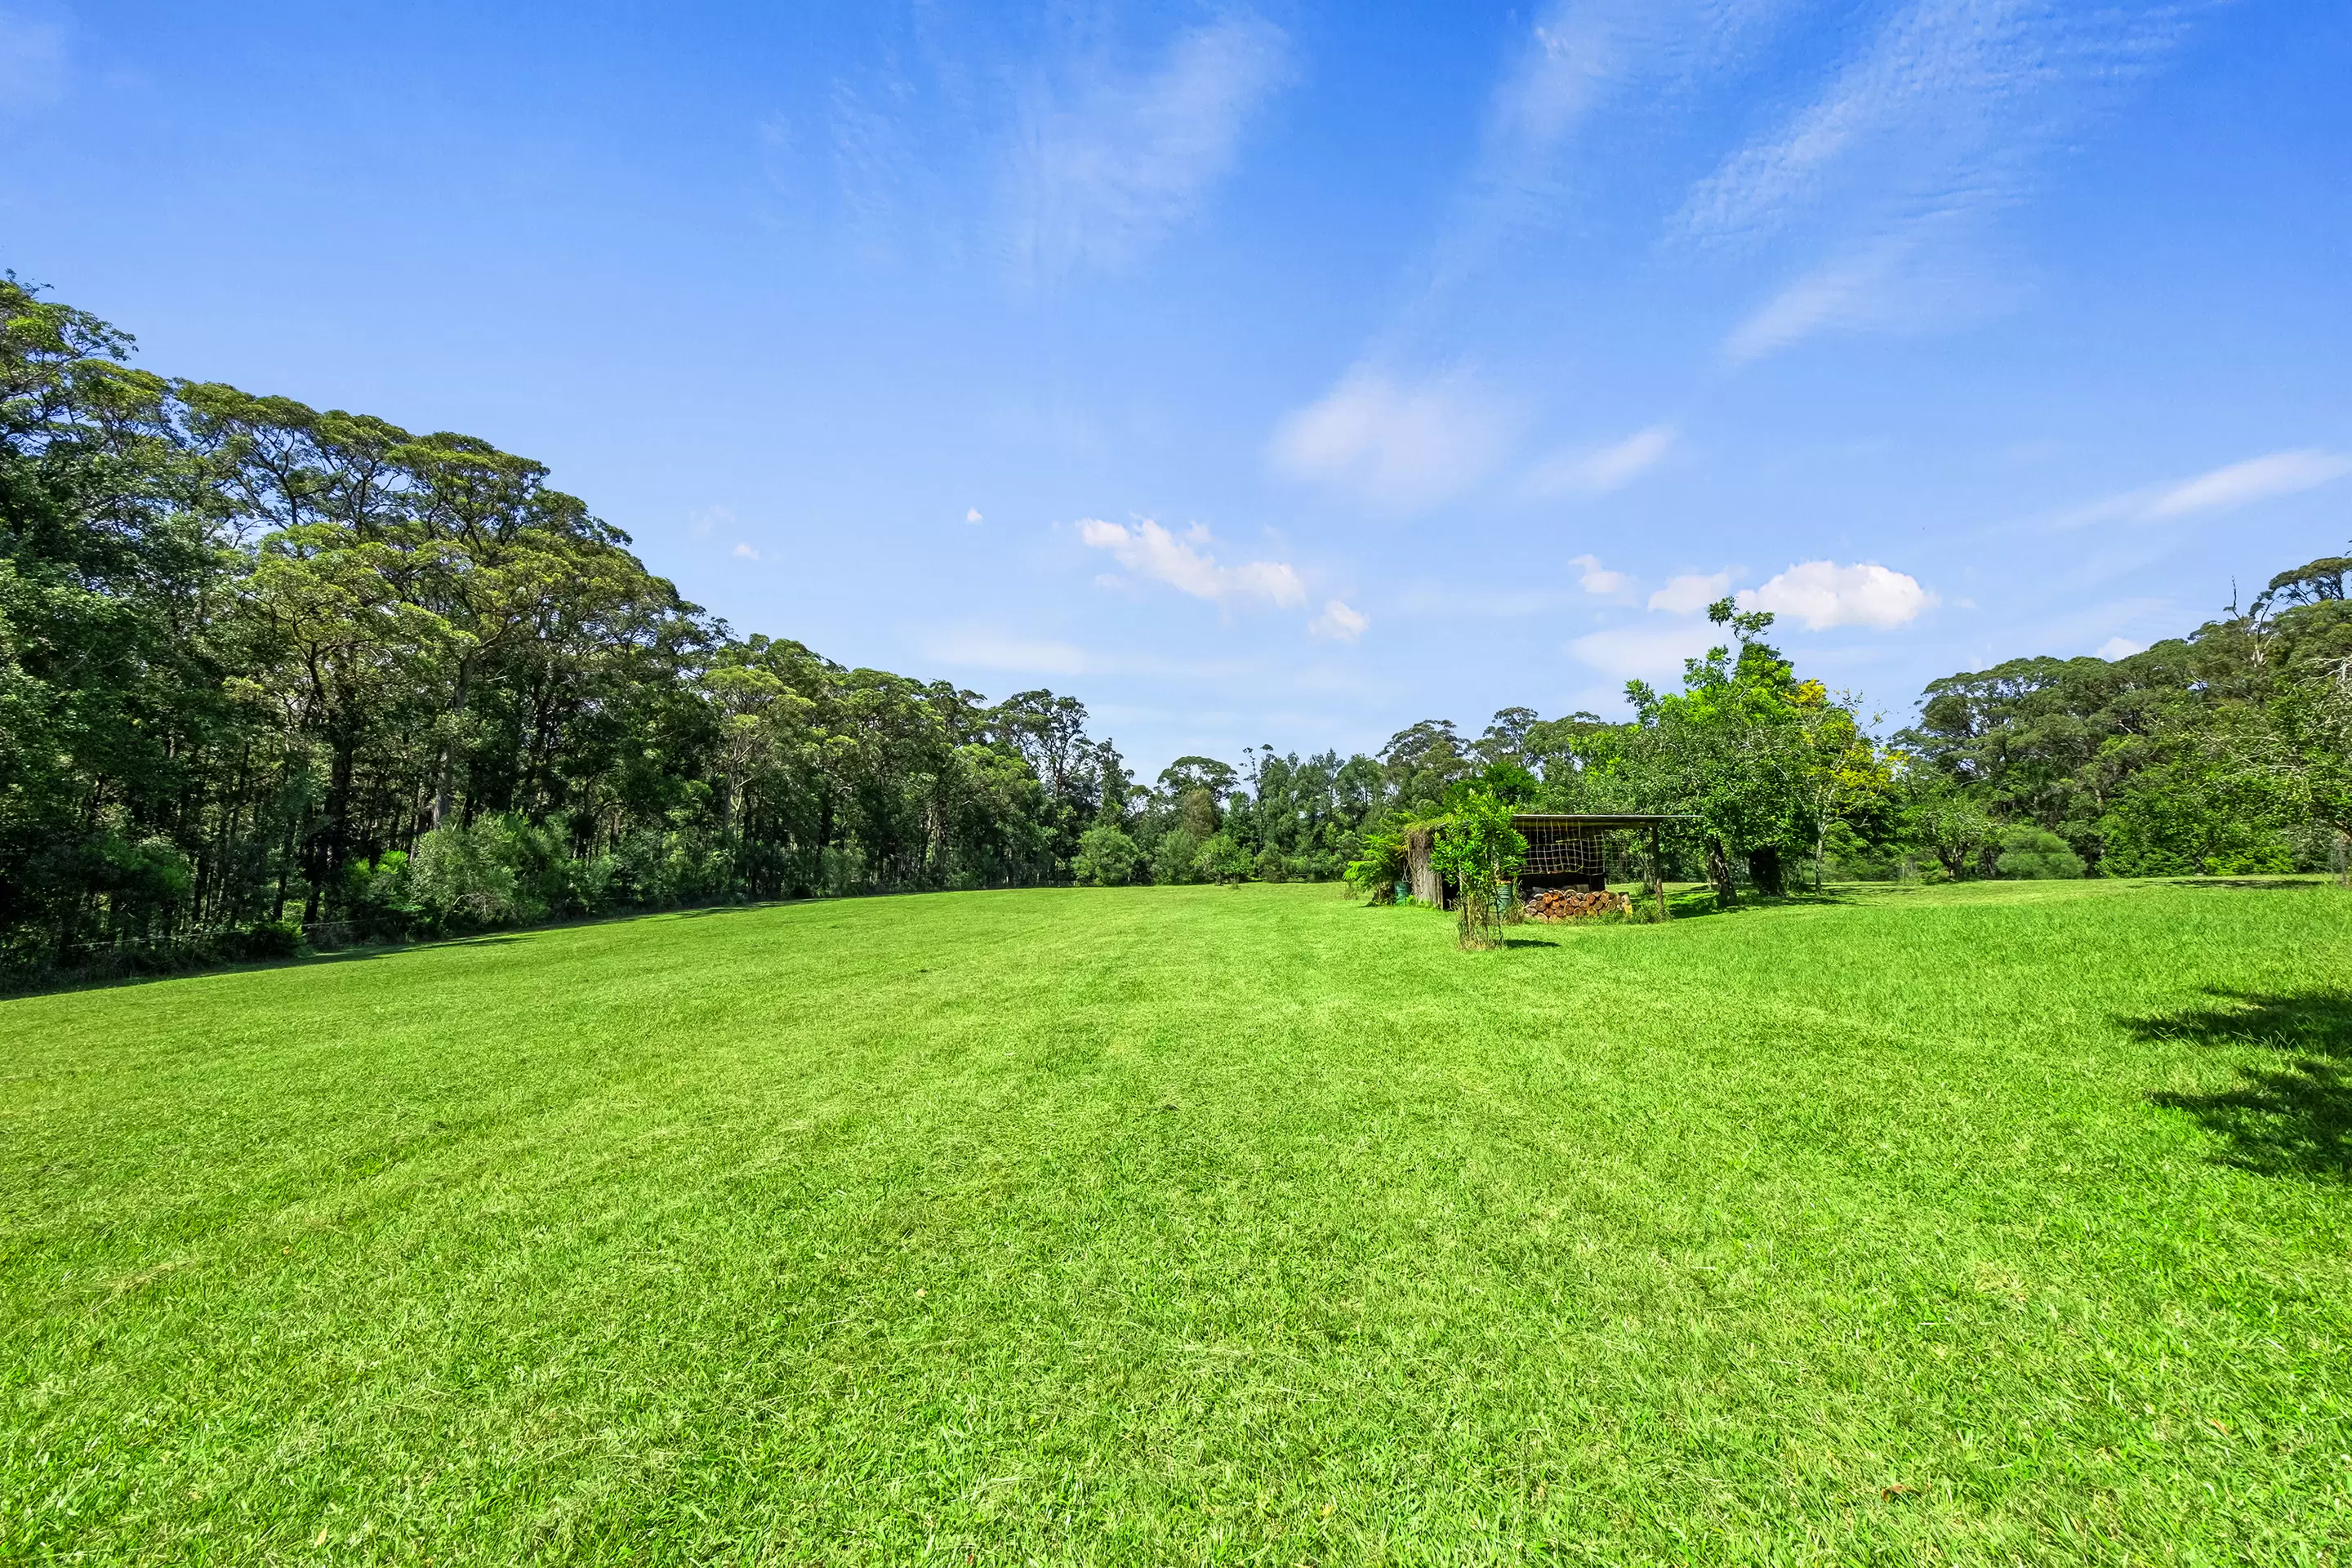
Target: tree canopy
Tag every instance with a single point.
(266, 667)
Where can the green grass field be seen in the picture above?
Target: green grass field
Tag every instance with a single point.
(2002, 1223)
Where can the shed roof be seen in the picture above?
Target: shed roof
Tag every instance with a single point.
(1597, 819)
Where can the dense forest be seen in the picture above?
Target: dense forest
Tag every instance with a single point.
(269, 674)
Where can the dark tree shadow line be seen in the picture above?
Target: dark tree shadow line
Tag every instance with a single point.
(2290, 1114)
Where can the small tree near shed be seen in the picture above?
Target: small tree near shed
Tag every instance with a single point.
(1481, 853)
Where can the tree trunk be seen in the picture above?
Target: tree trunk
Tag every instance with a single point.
(1657, 873)
(1718, 871)
(339, 811)
(445, 787)
(1428, 886)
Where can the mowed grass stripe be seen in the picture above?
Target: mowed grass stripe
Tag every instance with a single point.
(1199, 1225)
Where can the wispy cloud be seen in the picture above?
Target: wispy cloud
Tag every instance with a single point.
(2224, 488)
(1601, 469)
(875, 156)
(1396, 446)
(1110, 164)
(1577, 58)
(1184, 562)
(1943, 119)
(745, 553)
(1908, 281)
(1822, 594)
(2256, 478)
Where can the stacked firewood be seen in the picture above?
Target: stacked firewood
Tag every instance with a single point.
(1568, 904)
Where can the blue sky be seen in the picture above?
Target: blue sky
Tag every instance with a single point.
(1284, 373)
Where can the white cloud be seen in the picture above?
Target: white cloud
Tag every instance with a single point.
(1690, 591)
(32, 64)
(702, 524)
(2256, 478)
(745, 553)
(2120, 648)
(1607, 469)
(1340, 622)
(972, 514)
(1651, 651)
(1114, 163)
(1150, 550)
(1393, 445)
(1598, 579)
(1823, 594)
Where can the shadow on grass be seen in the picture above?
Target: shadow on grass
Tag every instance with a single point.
(2292, 1117)
(65, 983)
(1698, 903)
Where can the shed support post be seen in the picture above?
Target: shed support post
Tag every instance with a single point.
(1657, 874)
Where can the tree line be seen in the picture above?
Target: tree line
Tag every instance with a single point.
(266, 669)
(2227, 752)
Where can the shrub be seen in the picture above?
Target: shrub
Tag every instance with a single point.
(462, 878)
(1222, 859)
(376, 901)
(1107, 857)
(1173, 856)
(268, 938)
(1378, 870)
(2036, 853)
(1271, 866)
(1480, 852)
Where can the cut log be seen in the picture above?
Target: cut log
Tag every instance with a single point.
(1570, 904)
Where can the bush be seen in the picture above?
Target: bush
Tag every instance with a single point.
(1480, 852)
(1382, 867)
(1271, 866)
(2036, 854)
(463, 879)
(1222, 859)
(1107, 857)
(268, 938)
(376, 903)
(2177, 820)
(656, 869)
(1173, 856)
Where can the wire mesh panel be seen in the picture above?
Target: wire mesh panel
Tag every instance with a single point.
(1562, 850)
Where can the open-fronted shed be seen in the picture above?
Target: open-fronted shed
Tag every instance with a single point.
(1565, 849)
(1569, 849)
